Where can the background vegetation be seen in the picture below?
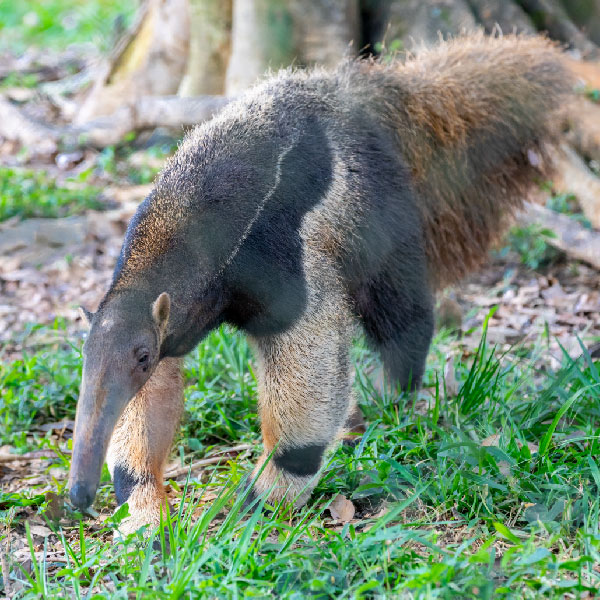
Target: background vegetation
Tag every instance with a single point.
(484, 484)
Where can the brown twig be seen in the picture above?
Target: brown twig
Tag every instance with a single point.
(4, 562)
(146, 113)
(212, 460)
(6, 457)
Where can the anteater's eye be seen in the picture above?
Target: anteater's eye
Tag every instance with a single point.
(142, 356)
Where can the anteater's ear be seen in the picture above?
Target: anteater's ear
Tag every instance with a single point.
(160, 312)
(86, 316)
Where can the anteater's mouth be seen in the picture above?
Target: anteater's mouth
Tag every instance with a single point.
(82, 495)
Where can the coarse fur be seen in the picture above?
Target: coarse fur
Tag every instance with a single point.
(315, 202)
(140, 444)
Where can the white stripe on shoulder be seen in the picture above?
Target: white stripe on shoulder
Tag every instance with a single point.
(262, 204)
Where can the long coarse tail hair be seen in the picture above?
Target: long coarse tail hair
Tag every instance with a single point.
(474, 118)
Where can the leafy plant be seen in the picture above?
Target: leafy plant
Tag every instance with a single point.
(593, 94)
(27, 193)
(60, 23)
(531, 243)
(37, 388)
(566, 204)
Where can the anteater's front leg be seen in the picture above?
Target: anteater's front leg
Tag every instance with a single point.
(141, 442)
(305, 392)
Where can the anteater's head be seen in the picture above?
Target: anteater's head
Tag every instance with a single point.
(119, 355)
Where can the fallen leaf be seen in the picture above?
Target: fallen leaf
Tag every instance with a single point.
(553, 292)
(342, 509)
(491, 440)
(533, 447)
(504, 467)
(40, 530)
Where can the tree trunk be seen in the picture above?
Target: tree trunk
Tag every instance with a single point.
(584, 128)
(150, 62)
(574, 177)
(326, 30)
(408, 24)
(508, 16)
(210, 48)
(262, 38)
(550, 16)
(270, 34)
(585, 14)
(571, 237)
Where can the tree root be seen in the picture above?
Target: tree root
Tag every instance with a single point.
(550, 16)
(583, 120)
(146, 113)
(573, 176)
(571, 237)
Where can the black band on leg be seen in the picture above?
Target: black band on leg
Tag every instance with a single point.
(125, 481)
(250, 498)
(301, 461)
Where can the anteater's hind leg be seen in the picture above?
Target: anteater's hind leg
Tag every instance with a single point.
(398, 322)
(305, 396)
(141, 442)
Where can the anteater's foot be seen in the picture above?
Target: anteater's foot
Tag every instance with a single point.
(146, 503)
(279, 484)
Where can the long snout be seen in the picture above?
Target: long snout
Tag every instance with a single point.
(97, 416)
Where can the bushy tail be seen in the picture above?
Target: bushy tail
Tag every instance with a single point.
(474, 118)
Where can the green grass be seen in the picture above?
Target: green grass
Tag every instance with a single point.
(113, 161)
(37, 389)
(517, 518)
(26, 193)
(56, 24)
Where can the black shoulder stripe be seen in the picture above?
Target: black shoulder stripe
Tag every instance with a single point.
(301, 461)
